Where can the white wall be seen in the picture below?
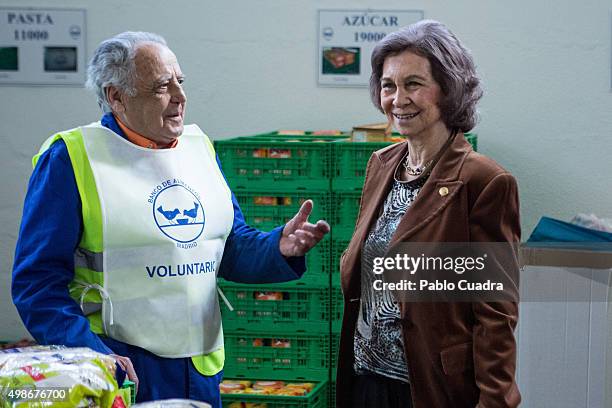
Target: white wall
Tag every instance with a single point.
(251, 67)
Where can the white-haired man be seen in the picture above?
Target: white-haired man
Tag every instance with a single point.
(138, 222)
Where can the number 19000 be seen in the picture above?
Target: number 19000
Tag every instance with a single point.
(368, 36)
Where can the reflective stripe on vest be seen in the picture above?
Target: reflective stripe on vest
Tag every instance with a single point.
(88, 257)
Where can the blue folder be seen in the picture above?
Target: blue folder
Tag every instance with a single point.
(553, 233)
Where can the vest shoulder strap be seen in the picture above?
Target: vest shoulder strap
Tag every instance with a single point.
(90, 202)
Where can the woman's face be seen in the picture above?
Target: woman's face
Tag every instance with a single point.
(409, 95)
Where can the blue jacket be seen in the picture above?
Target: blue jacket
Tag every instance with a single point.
(50, 231)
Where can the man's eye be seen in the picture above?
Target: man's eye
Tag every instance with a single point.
(387, 86)
(412, 84)
(181, 80)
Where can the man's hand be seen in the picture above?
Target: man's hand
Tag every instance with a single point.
(126, 365)
(299, 236)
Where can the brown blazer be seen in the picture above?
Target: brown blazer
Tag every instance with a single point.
(458, 354)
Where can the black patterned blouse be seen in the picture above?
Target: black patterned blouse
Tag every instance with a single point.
(378, 336)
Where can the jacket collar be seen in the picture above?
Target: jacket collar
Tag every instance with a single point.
(448, 166)
(436, 193)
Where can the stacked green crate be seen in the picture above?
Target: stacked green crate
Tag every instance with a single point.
(280, 331)
(317, 398)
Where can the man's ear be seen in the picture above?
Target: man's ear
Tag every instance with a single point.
(115, 99)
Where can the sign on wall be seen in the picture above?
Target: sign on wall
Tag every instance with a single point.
(347, 38)
(42, 46)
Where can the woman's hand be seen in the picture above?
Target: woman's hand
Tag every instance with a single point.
(299, 236)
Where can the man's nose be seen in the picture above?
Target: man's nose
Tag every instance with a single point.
(178, 94)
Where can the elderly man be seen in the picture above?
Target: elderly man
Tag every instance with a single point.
(127, 223)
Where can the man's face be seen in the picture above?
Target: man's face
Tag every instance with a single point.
(158, 108)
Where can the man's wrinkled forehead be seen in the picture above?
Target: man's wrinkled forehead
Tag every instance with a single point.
(153, 60)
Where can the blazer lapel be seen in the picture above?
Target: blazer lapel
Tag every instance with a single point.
(439, 190)
(374, 194)
(377, 189)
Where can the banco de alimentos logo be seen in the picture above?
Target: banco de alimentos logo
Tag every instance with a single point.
(178, 212)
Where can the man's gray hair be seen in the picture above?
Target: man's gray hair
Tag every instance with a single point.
(112, 64)
(451, 64)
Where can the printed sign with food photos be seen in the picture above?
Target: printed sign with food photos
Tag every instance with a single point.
(347, 38)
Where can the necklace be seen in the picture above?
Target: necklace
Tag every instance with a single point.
(415, 171)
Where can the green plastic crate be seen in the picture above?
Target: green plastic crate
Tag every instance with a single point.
(331, 400)
(345, 209)
(334, 346)
(318, 269)
(350, 162)
(317, 398)
(277, 161)
(288, 356)
(337, 309)
(266, 209)
(274, 310)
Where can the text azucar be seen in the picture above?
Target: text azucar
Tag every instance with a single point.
(169, 271)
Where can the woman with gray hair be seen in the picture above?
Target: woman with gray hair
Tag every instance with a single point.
(431, 188)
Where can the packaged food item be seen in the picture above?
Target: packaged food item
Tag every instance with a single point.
(259, 391)
(81, 376)
(285, 200)
(281, 343)
(395, 139)
(258, 342)
(264, 200)
(279, 153)
(233, 386)
(238, 404)
(306, 386)
(332, 132)
(289, 132)
(290, 392)
(268, 384)
(271, 387)
(375, 132)
(173, 403)
(260, 153)
(268, 295)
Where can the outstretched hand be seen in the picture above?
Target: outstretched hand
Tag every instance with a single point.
(299, 236)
